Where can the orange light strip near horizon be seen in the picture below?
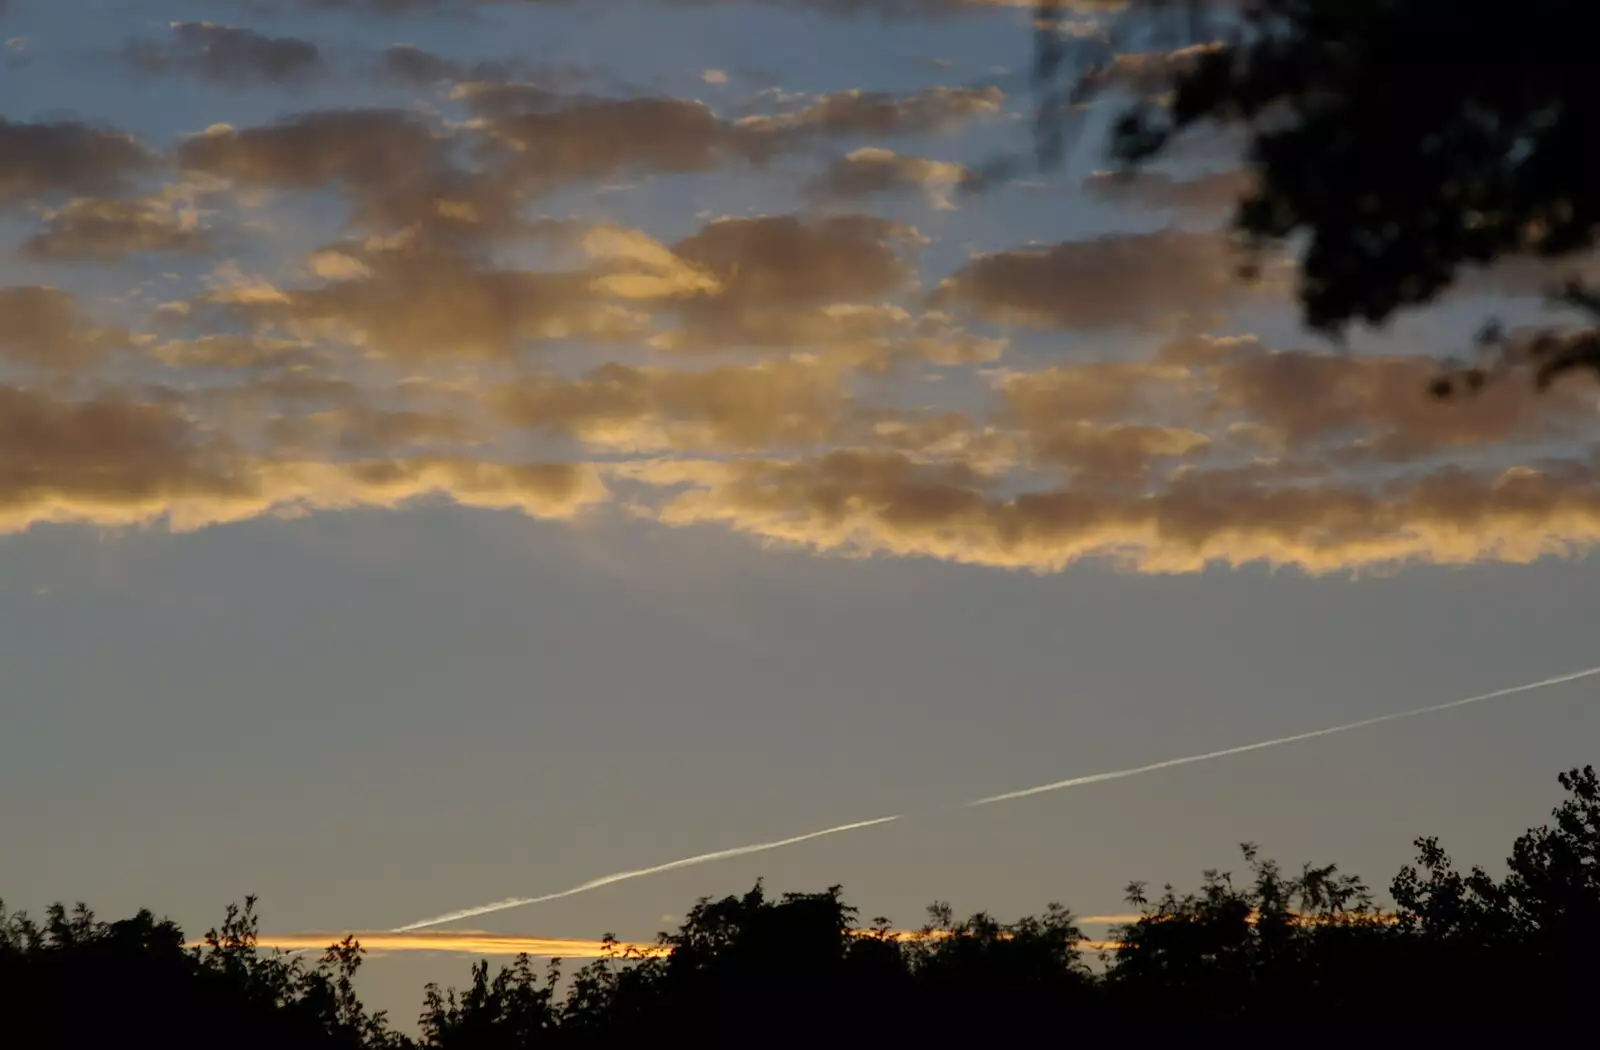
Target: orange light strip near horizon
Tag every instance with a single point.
(480, 942)
(474, 942)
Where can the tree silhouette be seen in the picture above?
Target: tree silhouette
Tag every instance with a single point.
(1402, 142)
(1276, 952)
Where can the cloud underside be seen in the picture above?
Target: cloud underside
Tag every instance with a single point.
(116, 464)
(395, 375)
(377, 309)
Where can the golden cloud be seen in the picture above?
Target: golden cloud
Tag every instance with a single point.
(430, 305)
(107, 230)
(871, 170)
(109, 460)
(786, 376)
(863, 503)
(733, 408)
(784, 281)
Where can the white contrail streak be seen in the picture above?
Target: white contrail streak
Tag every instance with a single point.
(1118, 774)
(1059, 785)
(623, 876)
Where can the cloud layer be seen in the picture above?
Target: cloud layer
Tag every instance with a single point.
(542, 287)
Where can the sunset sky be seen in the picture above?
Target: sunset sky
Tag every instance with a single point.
(452, 450)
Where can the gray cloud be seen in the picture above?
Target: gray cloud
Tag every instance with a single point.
(1110, 281)
(359, 149)
(879, 114)
(227, 54)
(52, 158)
(1212, 192)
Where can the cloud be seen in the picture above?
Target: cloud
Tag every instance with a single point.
(549, 139)
(861, 503)
(54, 158)
(362, 430)
(1119, 454)
(397, 168)
(228, 55)
(41, 327)
(432, 306)
(1116, 280)
(1212, 192)
(778, 277)
(402, 8)
(112, 461)
(628, 409)
(1092, 390)
(787, 260)
(872, 170)
(422, 68)
(1150, 73)
(106, 230)
(878, 114)
(418, 67)
(357, 149)
(494, 320)
(1370, 406)
(105, 458)
(231, 351)
(918, 9)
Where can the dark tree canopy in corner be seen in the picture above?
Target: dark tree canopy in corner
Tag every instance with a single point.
(1404, 140)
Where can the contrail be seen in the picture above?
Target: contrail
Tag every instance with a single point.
(1059, 785)
(639, 873)
(1118, 774)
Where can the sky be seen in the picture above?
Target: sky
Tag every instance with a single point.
(453, 451)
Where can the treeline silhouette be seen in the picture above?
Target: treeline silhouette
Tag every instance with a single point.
(1275, 955)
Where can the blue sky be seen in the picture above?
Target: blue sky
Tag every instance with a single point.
(564, 466)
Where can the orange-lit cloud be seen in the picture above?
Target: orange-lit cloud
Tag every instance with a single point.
(864, 503)
(872, 170)
(537, 288)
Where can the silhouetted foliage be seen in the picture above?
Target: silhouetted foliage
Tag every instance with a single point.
(1273, 954)
(1398, 142)
(78, 982)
